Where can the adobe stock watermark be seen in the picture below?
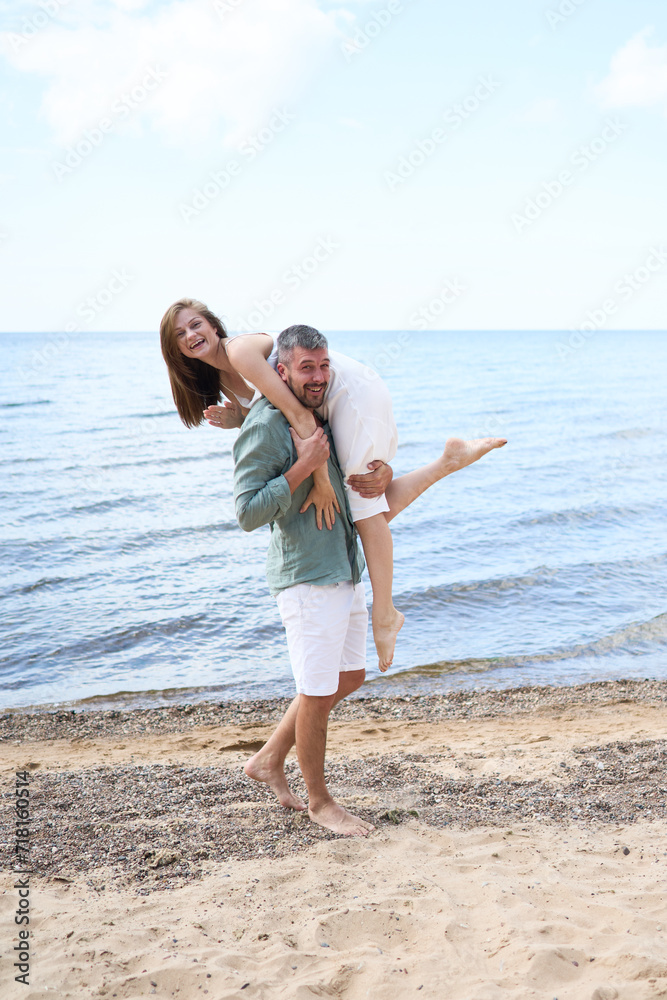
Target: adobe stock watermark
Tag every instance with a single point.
(393, 350)
(453, 117)
(219, 180)
(121, 109)
(625, 288)
(421, 319)
(22, 867)
(428, 313)
(558, 15)
(225, 7)
(86, 311)
(48, 10)
(388, 353)
(581, 159)
(370, 30)
(292, 279)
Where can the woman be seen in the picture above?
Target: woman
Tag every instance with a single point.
(203, 362)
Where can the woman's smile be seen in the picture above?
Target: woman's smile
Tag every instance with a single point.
(194, 335)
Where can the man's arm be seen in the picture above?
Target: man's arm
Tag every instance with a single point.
(262, 491)
(372, 484)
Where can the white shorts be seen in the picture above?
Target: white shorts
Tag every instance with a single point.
(326, 633)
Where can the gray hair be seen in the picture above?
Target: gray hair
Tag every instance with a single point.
(299, 336)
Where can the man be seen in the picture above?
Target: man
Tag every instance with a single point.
(315, 576)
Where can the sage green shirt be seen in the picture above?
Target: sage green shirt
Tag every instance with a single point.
(298, 551)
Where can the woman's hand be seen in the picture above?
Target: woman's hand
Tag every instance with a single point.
(372, 484)
(325, 501)
(226, 416)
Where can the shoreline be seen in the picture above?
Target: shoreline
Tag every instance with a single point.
(519, 843)
(44, 722)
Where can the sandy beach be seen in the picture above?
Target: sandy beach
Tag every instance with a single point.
(520, 851)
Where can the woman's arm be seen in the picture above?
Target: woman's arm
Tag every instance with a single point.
(248, 355)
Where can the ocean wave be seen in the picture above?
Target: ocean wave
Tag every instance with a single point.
(630, 433)
(46, 582)
(103, 505)
(117, 640)
(490, 588)
(635, 639)
(30, 402)
(159, 462)
(71, 544)
(25, 460)
(151, 698)
(579, 515)
(149, 416)
(144, 539)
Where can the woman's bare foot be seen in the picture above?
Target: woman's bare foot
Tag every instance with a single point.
(459, 453)
(385, 631)
(336, 818)
(263, 767)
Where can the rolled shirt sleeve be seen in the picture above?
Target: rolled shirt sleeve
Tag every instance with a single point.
(261, 492)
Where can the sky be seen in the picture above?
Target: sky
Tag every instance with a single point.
(389, 165)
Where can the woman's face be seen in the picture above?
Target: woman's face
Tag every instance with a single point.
(195, 336)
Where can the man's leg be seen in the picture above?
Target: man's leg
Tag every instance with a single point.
(331, 621)
(312, 719)
(268, 764)
(348, 681)
(311, 739)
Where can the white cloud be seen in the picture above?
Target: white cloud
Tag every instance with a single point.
(227, 64)
(638, 76)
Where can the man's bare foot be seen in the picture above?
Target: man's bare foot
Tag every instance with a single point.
(336, 818)
(385, 631)
(262, 767)
(459, 453)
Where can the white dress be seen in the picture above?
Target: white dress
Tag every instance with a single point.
(358, 407)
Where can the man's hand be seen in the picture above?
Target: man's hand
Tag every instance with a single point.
(372, 484)
(226, 416)
(311, 452)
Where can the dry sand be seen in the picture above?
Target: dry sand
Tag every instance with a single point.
(520, 852)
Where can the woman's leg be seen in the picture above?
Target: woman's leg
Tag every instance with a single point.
(378, 544)
(457, 454)
(379, 551)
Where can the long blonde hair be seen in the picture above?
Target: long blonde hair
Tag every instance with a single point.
(194, 384)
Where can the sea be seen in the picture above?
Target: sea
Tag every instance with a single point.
(127, 582)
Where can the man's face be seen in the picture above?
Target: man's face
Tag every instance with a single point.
(307, 374)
